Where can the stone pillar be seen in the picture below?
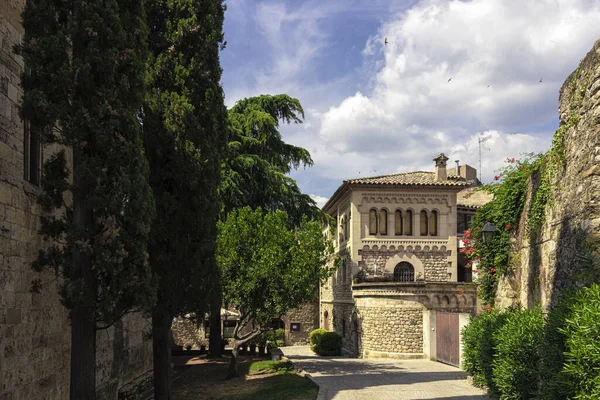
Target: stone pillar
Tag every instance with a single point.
(429, 334)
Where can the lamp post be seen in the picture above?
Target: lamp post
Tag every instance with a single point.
(488, 232)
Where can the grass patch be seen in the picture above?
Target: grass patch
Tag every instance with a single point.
(268, 366)
(259, 380)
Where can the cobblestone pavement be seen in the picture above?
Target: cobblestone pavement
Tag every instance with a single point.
(382, 379)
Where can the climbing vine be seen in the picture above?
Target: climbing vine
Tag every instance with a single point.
(493, 260)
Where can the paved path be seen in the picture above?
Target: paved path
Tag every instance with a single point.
(382, 379)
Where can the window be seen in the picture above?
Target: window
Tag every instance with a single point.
(295, 327)
(206, 329)
(343, 229)
(463, 221)
(343, 328)
(228, 329)
(398, 223)
(373, 222)
(344, 271)
(424, 223)
(326, 321)
(32, 154)
(408, 223)
(433, 223)
(404, 272)
(346, 230)
(383, 222)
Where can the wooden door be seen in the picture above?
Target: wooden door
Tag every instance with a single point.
(448, 338)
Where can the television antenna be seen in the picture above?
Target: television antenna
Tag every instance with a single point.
(481, 140)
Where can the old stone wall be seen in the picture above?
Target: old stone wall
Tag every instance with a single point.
(435, 263)
(187, 332)
(393, 326)
(547, 264)
(307, 316)
(34, 327)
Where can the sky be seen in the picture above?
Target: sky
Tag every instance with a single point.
(452, 72)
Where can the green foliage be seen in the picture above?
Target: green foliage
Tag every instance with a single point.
(315, 338)
(185, 135)
(255, 173)
(268, 268)
(479, 346)
(517, 361)
(83, 87)
(329, 344)
(582, 356)
(272, 366)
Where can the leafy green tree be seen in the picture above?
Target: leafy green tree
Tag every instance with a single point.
(256, 168)
(268, 268)
(83, 88)
(185, 134)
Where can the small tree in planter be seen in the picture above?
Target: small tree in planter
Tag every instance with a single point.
(268, 268)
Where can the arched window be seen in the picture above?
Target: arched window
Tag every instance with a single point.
(433, 223)
(424, 223)
(383, 222)
(404, 272)
(346, 230)
(398, 222)
(373, 222)
(326, 321)
(343, 328)
(408, 218)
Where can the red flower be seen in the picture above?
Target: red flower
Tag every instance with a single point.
(459, 292)
(474, 271)
(512, 160)
(477, 315)
(496, 177)
(464, 196)
(527, 170)
(492, 270)
(507, 227)
(488, 308)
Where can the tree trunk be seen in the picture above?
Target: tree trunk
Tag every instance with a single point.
(233, 364)
(83, 353)
(83, 314)
(214, 347)
(161, 324)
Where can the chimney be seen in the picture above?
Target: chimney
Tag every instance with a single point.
(440, 167)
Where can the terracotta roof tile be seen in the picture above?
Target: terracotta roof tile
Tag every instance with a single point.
(409, 178)
(473, 197)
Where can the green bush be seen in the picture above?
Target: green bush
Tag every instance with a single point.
(280, 334)
(315, 338)
(479, 344)
(553, 381)
(519, 341)
(330, 344)
(582, 366)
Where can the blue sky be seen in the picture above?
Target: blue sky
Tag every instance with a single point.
(373, 108)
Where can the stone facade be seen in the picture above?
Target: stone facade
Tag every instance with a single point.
(393, 329)
(384, 223)
(187, 332)
(544, 267)
(306, 317)
(34, 327)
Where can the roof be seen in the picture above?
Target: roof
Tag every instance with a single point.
(473, 197)
(420, 178)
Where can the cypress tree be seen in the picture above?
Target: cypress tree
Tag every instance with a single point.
(185, 122)
(83, 88)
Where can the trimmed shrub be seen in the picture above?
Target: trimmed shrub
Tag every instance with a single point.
(582, 354)
(518, 344)
(553, 382)
(479, 346)
(330, 344)
(315, 338)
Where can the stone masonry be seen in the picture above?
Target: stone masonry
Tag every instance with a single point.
(435, 262)
(34, 327)
(392, 329)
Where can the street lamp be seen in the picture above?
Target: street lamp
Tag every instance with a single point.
(488, 232)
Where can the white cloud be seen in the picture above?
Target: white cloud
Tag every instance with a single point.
(495, 51)
(320, 200)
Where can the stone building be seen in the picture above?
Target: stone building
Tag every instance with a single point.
(34, 327)
(399, 290)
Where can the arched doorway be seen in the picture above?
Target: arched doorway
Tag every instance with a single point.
(326, 321)
(404, 272)
(355, 337)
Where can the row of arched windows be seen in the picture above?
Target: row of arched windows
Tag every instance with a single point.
(403, 222)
